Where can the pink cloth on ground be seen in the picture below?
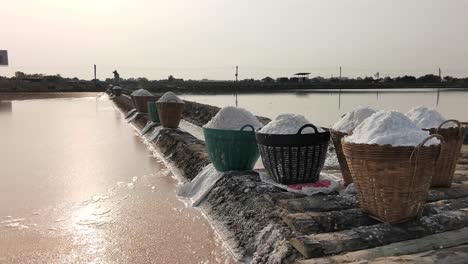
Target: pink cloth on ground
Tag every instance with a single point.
(319, 184)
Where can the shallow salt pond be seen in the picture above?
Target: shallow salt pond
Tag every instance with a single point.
(78, 185)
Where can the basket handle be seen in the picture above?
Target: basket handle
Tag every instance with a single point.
(416, 150)
(306, 126)
(242, 128)
(459, 126)
(170, 100)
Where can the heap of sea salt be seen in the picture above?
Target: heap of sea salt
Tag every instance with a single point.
(425, 117)
(142, 92)
(233, 118)
(352, 119)
(286, 124)
(389, 127)
(170, 97)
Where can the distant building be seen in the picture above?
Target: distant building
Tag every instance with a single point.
(301, 77)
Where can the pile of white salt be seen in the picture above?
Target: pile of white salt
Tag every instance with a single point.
(352, 119)
(233, 118)
(141, 92)
(425, 117)
(287, 124)
(389, 127)
(170, 97)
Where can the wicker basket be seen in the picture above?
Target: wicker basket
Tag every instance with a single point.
(141, 102)
(465, 126)
(170, 113)
(392, 182)
(336, 138)
(453, 138)
(292, 159)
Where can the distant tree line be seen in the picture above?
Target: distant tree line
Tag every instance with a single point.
(23, 81)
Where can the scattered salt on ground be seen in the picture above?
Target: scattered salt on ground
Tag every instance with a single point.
(425, 117)
(389, 127)
(233, 118)
(170, 97)
(288, 124)
(141, 92)
(197, 189)
(352, 119)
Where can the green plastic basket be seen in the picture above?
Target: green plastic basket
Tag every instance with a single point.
(232, 150)
(153, 112)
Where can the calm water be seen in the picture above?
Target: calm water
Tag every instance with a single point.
(79, 186)
(324, 108)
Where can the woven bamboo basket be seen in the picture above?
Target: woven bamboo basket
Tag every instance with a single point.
(453, 138)
(392, 182)
(336, 138)
(141, 102)
(465, 126)
(170, 113)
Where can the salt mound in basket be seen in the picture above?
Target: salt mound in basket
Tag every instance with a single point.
(230, 138)
(392, 162)
(293, 150)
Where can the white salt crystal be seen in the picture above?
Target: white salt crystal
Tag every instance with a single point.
(170, 97)
(141, 92)
(389, 127)
(425, 117)
(352, 119)
(288, 124)
(233, 118)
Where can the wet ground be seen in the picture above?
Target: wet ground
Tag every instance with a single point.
(78, 185)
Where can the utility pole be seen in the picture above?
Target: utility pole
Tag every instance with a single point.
(438, 89)
(95, 79)
(340, 73)
(237, 74)
(339, 94)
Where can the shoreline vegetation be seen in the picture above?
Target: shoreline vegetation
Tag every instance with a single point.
(22, 82)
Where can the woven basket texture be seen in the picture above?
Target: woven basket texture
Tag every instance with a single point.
(141, 102)
(336, 138)
(392, 182)
(170, 114)
(453, 138)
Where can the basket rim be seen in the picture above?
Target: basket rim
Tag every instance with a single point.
(176, 103)
(326, 131)
(226, 130)
(388, 145)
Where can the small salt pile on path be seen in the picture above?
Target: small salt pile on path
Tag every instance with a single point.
(287, 124)
(233, 118)
(141, 92)
(352, 119)
(425, 117)
(170, 97)
(389, 127)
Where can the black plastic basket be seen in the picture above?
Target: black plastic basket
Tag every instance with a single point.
(292, 159)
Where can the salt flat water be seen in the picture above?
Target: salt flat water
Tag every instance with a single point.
(78, 185)
(325, 107)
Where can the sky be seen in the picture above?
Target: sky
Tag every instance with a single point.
(196, 39)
